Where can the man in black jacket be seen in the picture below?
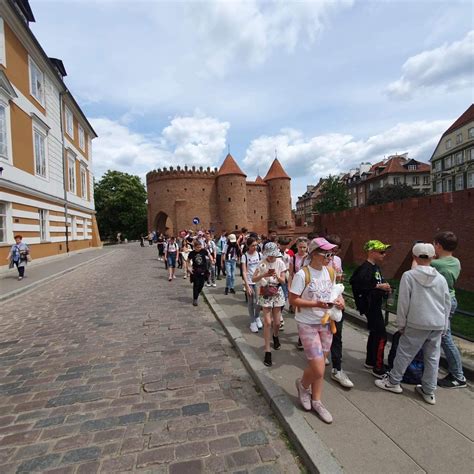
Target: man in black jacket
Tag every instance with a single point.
(370, 289)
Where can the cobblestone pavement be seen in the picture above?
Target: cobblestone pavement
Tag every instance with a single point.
(110, 369)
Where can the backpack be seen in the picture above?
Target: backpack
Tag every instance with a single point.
(361, 298)
(259, 257)
(307, 279)
(414, 371)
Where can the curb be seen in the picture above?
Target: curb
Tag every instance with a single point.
(316, 456)
(54, 276)
(354, 317)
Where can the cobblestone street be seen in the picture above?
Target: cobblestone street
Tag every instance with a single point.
(110, 369)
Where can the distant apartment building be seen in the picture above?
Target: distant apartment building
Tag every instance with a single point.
(306, 203)
(46, 181)
(396, 169)
(452, 162)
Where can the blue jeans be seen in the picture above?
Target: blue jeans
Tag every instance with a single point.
(171, 260)
(284, 287)
(453, 356)
(252, 304)
(230, 273)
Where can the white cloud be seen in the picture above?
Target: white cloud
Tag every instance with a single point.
(450, 67)
(309, 158)
(193, 140)
(234, 33)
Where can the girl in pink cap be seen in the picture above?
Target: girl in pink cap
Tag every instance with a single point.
(310, 293)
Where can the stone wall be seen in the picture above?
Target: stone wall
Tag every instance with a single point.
(401, 223)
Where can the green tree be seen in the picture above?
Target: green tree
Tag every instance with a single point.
(392, 192)
(120, 201)
(334, 197)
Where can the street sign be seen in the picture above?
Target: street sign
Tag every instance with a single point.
(196, 221)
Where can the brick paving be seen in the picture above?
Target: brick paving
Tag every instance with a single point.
(110, 369)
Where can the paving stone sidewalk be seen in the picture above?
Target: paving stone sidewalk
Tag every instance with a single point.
(110, 369)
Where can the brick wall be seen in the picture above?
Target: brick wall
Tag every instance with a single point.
(400, 223)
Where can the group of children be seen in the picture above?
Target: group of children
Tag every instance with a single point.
(303, 273)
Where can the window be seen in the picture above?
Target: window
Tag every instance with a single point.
(3, 133)
(426, 180)
(43, 221)
(459, 183)
(2, 43)
(449, 185)
(69, 122)
(82, 138)
(412, 167)
(470, 180)
(459, 160)
(416, 180)
(396, 180)
(470, 132)
(470, 154)
(439, 187)
(458, 138)
(448, 144)
(36, 82)
(71, 169)
(371, 186)
(448, 162)
(3, 222)
(83, 183)
(40, 153)
(437, 165)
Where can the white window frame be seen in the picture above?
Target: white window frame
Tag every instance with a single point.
(82, 138)
(83, 177)
(69, 122)
(416, 180)
(470, 132)
(43, 218)
(459, 183)
(397, 180)
(3, 56)
(439, 187)
(458, 158)
(449, 185)
(448, 144)
(459, 138)
(470, 179)
(71, 178)
(38, 132)
(426, 180)
(438, 165)
(6, 216)
(32, 66)
(5, 104)
(448, 159)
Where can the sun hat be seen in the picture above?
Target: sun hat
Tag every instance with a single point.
(376, 245)
(232, 238)
(271, 250)
(320, 243)
(422, 250)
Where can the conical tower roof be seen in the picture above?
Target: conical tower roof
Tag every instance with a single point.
(230, 166)
(276, 171)
(259, 180)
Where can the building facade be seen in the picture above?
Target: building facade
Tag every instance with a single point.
(396, 169)
(453, 159)
(305, 206)
(46, 181)
(219, 199)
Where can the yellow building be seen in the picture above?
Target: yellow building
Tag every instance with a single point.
(46, 182)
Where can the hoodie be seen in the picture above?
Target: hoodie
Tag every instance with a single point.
(424, 301)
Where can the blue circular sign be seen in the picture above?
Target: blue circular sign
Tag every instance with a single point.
(196, 221)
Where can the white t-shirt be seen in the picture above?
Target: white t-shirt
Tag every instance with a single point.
(279, 267)
(170, 248)
(336, 263)
(318, 289)
(252, 261)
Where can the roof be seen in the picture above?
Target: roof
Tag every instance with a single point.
(59, 66)
(465, 118)
(276, 171)
(397, 164)
(259, 180)
(25, 8)
(230, 166)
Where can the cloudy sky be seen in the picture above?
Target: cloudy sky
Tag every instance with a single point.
(324, 83)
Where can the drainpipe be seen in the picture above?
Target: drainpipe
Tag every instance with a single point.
(61, 94)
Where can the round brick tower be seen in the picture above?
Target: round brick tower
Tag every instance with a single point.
(279, 197)
(231, 195)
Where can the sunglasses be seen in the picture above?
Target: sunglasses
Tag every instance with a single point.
(327, 254)
(381, 252)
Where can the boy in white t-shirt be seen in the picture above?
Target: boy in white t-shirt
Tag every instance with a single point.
(312, 301)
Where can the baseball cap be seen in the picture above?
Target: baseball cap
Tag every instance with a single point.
(320, 243)
(232, 238)
(376, 245)
(422, 250)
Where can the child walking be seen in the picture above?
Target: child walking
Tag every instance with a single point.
(310, 293)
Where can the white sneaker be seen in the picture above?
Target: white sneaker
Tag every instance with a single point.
(326, 361)
(214, 285)
(341, 377)
(426, 397)
(174, 277)
(259, 323)
(304, 395)
(384, 384)
(185, 276)
(322, 411)
(208, 285)
(253, 327)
